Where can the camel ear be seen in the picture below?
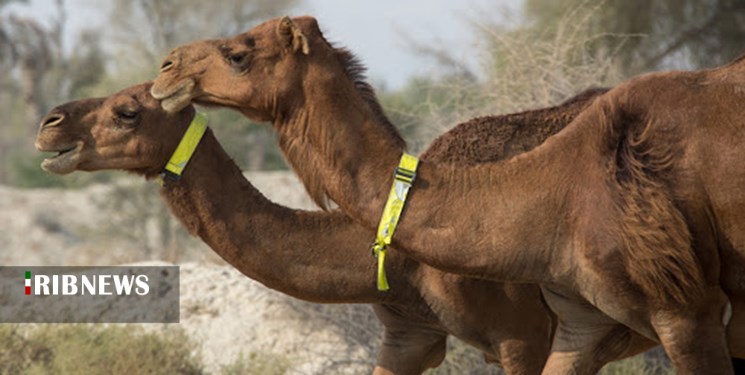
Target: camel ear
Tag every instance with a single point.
(291, 36)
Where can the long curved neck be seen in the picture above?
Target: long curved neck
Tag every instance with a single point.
(315, 256)
(487, 221)
(337, 139)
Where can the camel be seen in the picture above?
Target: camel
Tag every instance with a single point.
(129, 131)
(622, 217)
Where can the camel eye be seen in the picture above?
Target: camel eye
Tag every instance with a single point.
(125, 115)
(236, 59)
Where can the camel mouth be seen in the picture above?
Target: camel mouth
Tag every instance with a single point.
(211, 101)
(176, 98)
(64, 162)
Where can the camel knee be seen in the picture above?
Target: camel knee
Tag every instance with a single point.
(522, 356)
(409, 356)
(695, 338)
(569, 363)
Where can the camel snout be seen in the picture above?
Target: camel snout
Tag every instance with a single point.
(167, 65)
(52, 119)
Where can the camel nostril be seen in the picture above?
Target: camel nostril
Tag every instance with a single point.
(166, 66)
(52, 120)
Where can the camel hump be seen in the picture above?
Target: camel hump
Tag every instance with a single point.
(492, 138)
(657, 239)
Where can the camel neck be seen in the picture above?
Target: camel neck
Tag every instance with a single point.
(315, 256)
(508, 210)
(334, 141)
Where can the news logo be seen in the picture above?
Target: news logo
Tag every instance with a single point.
(124, 294)
(101, 285)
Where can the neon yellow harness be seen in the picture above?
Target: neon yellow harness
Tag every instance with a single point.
(185, 149)
(403, 179)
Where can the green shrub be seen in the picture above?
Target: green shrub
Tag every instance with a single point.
(95, 349)
(637, 365)
(26, 172)
(258, 364)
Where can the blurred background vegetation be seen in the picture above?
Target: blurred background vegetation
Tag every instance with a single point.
(547, 52)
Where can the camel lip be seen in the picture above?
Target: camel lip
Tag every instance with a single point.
(212, 101)
(64, 162)
(176, 98)
(164, 93)
(59, 150)
(205, 101)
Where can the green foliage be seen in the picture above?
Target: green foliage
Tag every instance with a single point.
(95, 349)
(258, 364)
(562, 48)
(464, 359)
(154, 27)
(637, 365)
(426, 106)
(253, 146)
(25, 172)
(659, 34)
(28, 173)
(38, 72)
(521, 69)
(86, 67)
(536, 67)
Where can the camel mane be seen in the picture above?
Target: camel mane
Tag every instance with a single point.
(356, 71)
(304, 160)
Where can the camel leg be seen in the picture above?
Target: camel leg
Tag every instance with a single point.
(521, 356)
(410, 351)
(580, 348)
(694, 339)
(585, 338)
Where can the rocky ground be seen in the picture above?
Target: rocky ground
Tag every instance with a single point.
(227, 313)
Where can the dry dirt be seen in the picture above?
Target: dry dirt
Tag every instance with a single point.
(226, 312)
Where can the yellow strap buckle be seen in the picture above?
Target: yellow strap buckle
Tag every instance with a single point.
(185, 149)
(403, 179)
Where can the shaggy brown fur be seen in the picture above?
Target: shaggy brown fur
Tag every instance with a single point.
(556, 215)
(660, 258)
(493, 138)
(355, 71)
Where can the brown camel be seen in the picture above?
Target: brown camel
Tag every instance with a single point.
(621, 217)
(129, 131)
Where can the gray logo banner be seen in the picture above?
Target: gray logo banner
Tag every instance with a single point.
(127, 294)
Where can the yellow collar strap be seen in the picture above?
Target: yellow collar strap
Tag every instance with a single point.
(185, 149)
(403, 179)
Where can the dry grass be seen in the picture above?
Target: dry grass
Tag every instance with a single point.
(519, 69)
(652, 362)
(116, 349)
(94, 349)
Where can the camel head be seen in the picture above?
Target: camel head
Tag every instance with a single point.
(127, 131)
(256, 72)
